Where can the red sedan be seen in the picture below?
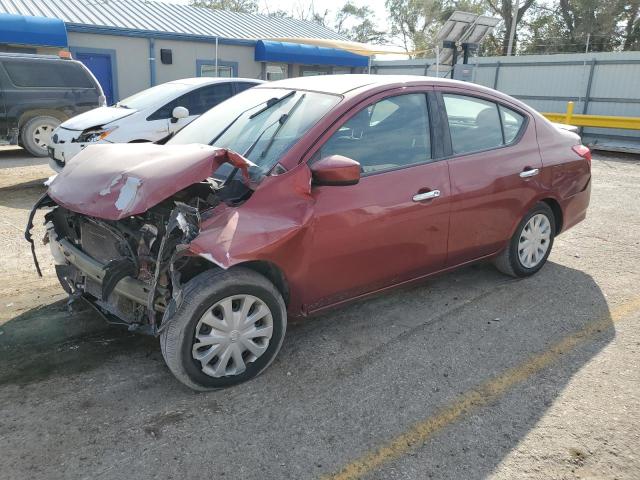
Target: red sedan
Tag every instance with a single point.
(303, 194)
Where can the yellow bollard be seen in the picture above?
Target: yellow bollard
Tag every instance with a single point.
(569, 115)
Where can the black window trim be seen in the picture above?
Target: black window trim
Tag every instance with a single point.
(432, 117)
(447, 136)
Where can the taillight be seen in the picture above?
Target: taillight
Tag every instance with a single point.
(583, 151)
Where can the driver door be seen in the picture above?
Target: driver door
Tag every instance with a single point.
(392, 226)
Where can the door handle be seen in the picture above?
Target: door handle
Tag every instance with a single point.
(426, 195)
(531, 172)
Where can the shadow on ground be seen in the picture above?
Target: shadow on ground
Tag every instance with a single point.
(344, 383)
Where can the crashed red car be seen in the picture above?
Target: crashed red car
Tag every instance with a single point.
(303, 194)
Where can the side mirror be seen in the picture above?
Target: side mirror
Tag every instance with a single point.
(335, 170)
(178, 113)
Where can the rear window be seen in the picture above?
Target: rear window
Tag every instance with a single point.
(47, 73)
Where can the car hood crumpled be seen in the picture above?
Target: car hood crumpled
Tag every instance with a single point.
(115, 181)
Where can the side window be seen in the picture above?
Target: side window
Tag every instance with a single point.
(242, 86)
(389, 134)
(511, 123)
(474, 124)
(47, 73)
(202, 99)
(197, 101)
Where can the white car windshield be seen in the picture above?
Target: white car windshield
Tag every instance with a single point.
(154, 96)
(259, 123)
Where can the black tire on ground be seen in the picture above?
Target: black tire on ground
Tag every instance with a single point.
(203, 292)
(36, 132)
(508, 261)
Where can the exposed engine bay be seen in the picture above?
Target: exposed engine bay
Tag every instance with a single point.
(131, 269)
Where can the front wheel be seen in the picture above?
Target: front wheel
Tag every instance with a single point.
(227, 330)
(35, 135)
(531, 243)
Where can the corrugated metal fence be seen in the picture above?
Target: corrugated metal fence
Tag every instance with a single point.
(598, 83)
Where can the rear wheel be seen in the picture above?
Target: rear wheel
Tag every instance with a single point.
(35, 135)
(227, 330)
(530, 245)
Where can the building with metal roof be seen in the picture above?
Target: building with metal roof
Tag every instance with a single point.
(130, 45)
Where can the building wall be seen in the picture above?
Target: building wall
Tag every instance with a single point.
(132, 58)
(187, 54)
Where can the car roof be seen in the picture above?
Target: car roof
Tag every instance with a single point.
(341, 84)
(211, 80)
(353, 84)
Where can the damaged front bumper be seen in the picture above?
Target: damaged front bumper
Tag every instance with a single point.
(128, 287)
(132, 288)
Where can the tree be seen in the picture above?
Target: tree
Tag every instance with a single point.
(364, 30)
(242, 6)
(632, 26)
(415, 22)
(597, 20)
(504, 8)
(578, 25)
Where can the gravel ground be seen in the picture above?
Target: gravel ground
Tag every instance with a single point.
(469, 375)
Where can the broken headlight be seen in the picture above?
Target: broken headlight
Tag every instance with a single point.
(95, 134)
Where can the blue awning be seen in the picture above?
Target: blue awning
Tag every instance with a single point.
(38, 31)
(283, 52)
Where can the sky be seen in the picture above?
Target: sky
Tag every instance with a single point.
(320, 5)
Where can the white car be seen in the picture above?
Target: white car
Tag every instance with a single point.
(147, 116)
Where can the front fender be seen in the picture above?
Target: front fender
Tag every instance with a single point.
(270, 226)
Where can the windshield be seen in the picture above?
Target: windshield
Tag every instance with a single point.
(260, 123)
(153, 96)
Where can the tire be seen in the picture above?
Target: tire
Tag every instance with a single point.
(510, 261)
(36, 133)
(200, 295)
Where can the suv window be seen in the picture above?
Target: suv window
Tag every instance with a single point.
(47, 73)
(391, 133)
(197, 102)
(474, 124)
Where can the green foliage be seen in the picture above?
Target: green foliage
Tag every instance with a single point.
(581, 25)
(242, 6)
(362, 28)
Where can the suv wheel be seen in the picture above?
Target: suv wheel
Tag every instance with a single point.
(227, 330)
(530, 245)
(35, 135)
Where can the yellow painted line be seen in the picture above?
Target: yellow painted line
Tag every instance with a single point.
(478, 397)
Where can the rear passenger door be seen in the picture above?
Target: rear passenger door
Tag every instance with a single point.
(494, 163)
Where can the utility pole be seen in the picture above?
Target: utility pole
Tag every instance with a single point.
(512, 33)
(586, 49)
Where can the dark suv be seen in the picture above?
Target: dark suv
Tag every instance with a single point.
(37, 93)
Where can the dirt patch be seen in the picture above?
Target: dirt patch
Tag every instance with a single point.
(157, 422)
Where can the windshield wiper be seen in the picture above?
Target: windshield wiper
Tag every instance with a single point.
(271, 102)
(282, 120)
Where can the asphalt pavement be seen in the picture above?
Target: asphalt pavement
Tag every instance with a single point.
(469, 375)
